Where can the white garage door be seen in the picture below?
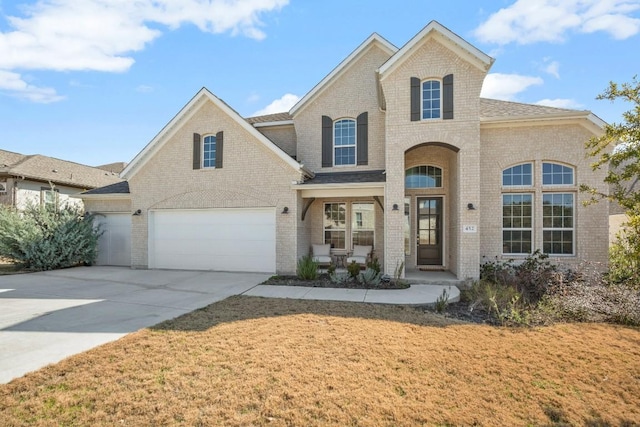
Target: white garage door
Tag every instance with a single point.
(114, 246)
(213, 239)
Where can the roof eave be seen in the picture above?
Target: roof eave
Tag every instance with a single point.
(585, 118)
(107, 196)
(273, 124)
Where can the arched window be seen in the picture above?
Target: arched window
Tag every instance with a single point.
(556, 174)
(423, 177)
(519, 175)
(431, 97)
(344, 142)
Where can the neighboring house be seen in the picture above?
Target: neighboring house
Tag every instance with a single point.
(36, 179)
(393, 148)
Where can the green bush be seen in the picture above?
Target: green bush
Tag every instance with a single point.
(374, 264)
(624, 255)
(307, 268)
(353, 269)
(41, 238)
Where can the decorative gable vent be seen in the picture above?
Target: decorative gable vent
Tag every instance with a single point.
(3, 187)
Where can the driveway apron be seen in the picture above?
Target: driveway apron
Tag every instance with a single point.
(48, 316)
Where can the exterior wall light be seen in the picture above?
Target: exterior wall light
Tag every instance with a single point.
(285, 210)
(395, 206)
(471, 207)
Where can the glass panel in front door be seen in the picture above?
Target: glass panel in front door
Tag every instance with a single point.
(429, 239)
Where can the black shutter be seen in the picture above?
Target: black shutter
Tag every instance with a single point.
(327, 142)
(363, 138)
(447, 97)
(415, 99)
(196, 151)
(219, 148)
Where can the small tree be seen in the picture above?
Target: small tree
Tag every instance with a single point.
(618, 149)
(41, 238)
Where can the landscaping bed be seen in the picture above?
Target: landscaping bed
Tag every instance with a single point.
(324, 281)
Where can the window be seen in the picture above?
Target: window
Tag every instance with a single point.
(423, 177)
(49, 197)
(557, 223)
(335, 224)
(555, 174)
(519, 175)
(363, 224)
(344, 142)
(407, 226)
(209, 152)
(431, 99)
(517, 223)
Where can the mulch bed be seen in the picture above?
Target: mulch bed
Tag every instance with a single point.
(324, 281)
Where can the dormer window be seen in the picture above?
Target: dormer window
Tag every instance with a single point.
(431, 99)
(344, 142)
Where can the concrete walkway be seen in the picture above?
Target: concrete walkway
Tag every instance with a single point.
(48, 316)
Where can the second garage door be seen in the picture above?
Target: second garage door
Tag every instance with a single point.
(213, 239)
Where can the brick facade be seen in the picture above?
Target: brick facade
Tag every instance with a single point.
(472, 150)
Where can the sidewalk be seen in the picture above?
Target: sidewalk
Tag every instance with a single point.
(414, 295)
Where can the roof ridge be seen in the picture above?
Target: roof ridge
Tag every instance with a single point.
(529, 104)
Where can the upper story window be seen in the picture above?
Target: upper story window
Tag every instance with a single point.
(344, 142)
(431, 99)
(556, 174)
(423, 177)
(209, 152)
(519, 175)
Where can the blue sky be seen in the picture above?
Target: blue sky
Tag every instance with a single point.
(93, 81)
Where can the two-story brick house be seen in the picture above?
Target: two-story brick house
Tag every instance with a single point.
(394, 148)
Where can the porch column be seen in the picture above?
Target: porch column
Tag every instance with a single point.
(468, 217)
(394, 219)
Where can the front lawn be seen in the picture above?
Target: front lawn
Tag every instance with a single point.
(250, 361)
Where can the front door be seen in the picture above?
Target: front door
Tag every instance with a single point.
(429, 231)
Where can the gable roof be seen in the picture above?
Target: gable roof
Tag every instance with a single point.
(456, 43)
(281, 118)
(49, 169)
(497, 112)
(373, 39)
(200, 98)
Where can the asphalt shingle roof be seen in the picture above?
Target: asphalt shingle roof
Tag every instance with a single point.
(277, 117)
(347, 177)
(494, 108)
(43, 168)
(117, 188)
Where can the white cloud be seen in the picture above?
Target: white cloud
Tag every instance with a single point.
(14, 85)
(101, 35)
(279, 105)
(553, 68)
(560, 103)
(507, 86)
(530, 21)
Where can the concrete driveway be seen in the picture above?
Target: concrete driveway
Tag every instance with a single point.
(48, 316)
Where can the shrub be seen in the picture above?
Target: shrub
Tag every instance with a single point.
(374, 264)
(442, 302)
(624, 255)
(369, 277)
(41, 238)
(353, 269)
(339, 278)
(307, 268)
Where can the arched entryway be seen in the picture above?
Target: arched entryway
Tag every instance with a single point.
(430, 190)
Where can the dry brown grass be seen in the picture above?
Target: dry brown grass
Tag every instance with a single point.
(253, 361)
